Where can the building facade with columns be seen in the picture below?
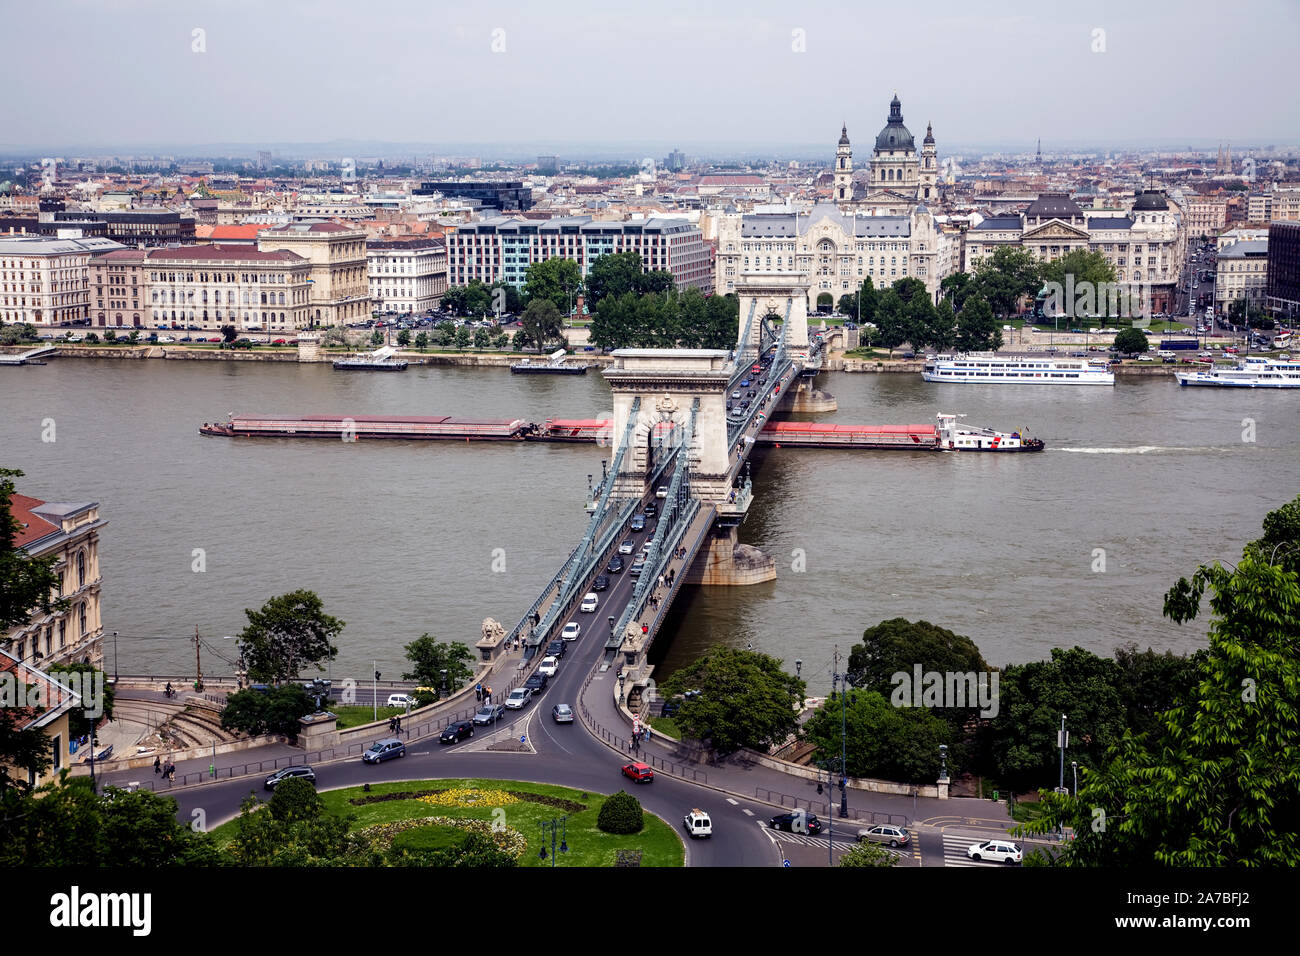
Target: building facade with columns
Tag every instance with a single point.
(210, 286)
(340, 284)
(837, 251)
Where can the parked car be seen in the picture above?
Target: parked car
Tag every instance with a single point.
(571, 631)
(884, 833)
(400, 700)
(562, 714)
(639, 772)
(999, 851)
(589, 603)
(518, 697)
(536, 683)
(548, 666)
(616, 562)
(796, 823)
(382, 750)
(286, 773)
(698, 824)
(626, 547)
(602, 581)
(556, 648)
(455, 732)
(489, 714)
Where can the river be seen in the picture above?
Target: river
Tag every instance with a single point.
(402, 538)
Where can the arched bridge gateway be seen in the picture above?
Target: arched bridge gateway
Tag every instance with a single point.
(685, 422)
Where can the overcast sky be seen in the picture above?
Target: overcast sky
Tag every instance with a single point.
(125, 72)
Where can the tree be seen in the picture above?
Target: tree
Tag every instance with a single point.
(463, 337)
(1280, 544)
(66, 824)
(289, 632)
(898, 645)
(501, 340)
(18, 333)
(977, 330)
(555, 280)
(722, 322)
(868, 854)
(134, 336)
(1085, 267)
(613, 325)
(519, 341)
(891, 321)
(295, 799)
(376, 337)
(92, 337)
(482, 338)
(894, 743)
(615, 274)
(541, 323)
(79, 725)
(1130, 341)
(1151, 683)
(404, 338)
(276, 711)
(421, 340)
(27, 585)
(319, 839)
(620, 813)
(110, 336)
(1006, 275)
(228, 333)
(1032, 698)
(953, 288)
(429, 658)
(443, 334)
(943, 332)
(745, 699)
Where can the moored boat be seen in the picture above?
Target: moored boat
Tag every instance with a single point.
(989, 368)
(1252, 372)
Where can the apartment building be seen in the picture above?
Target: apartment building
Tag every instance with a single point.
(210, 286)
(1241, 272)
(46, 281)
(406, 275)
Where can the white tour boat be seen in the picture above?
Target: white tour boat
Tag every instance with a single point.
(1253, 372)
(988, 368)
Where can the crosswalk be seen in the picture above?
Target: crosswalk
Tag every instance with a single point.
(956, 844)
(845, 842)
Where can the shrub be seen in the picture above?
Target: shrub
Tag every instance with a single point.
(91, 337)
(620, 814)
(295, 799)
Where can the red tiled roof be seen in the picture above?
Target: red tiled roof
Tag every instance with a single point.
(246, 253)
(236, 232)
(34, 527)
(121, 255)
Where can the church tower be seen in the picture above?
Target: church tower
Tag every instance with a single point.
(844, 169)
(928, 190)
(894, 163)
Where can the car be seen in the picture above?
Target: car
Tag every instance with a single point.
(1204, 355)
(884, 833)
(661, 491)
(638, 523)
(744, 383)
(166, 340)
(518, 697)
(571, 631)
(909, 354)
(456, 731)
(556, 648)
(698, 824)
(562, 714)
(286, 772)
(639, 772)
(602, 582)
(651, 510)
(735, 395)
(1145, 358)
(489, 714)
(536, 683)
(626, 547)
(382, 750)
(999, 851)
(279, 342)
(1231, 350)
(798, 822)
(400, 700)
(589, 602)
(616, 564)
(548, 666)
(637, 567)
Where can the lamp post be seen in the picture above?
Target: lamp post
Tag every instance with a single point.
(943, 763)
(622, 680)
(1075, 765)
(115, 657)
(552, 826)
(798, 667)
(444, 681)
(1062, 741)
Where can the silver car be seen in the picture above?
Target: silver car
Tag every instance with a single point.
(883, 833)
(562, 714)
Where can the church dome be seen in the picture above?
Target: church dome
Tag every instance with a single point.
(895, 135)
(844, 135)
(1151, 201)
(929, 135)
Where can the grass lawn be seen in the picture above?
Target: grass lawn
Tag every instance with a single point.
(658, 842)
(1024, 811)
(354, 715)
(666, 726)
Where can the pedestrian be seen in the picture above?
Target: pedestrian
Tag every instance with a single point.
(478, 692)
(398, 724)
(157, 764)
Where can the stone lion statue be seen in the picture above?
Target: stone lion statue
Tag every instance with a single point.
(492, 630)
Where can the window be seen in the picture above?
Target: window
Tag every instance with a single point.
(81, 614)
(81, 565)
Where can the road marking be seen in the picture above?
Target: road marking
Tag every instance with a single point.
(733, 802)
(745, 811)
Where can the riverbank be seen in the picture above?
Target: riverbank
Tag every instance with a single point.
(489, 359)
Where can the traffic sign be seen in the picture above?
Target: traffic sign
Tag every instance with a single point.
(785, 862)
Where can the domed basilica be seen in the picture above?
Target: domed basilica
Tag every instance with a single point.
(897, 179)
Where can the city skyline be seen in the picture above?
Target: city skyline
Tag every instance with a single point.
(766, 81)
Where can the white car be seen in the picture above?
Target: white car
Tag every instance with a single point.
(998, 851)
(548, 666)
(662, 491)
(571, 631)
(589, 602)
(400, 700)
(518, 697)
(698, 824)
(626, 547)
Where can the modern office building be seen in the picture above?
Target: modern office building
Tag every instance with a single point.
(512, 196)
(503, 248)
(1283, 299)
(133, 227)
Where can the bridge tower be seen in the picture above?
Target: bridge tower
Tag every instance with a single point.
(668, 381)
(780, 294)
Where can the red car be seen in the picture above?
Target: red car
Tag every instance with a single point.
(639, 772)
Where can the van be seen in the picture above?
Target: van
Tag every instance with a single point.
(589, 602)
(1167, 354)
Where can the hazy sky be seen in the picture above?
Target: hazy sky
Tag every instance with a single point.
(124, 72)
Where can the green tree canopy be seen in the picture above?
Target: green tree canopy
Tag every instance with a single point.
(881, 740)
(1280, 544)
(977, 329)
(541, 323)
(429, 658)
(898, 645)
(290, 632)
(1130, 341)
(868, 854)
(274, 712)
(745, 699)
(556, 280)
(620, 273)
(891, 321)
(1006, 275)
(1084, 266)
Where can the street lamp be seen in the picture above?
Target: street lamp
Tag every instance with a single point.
(552, 826)
(1075, 764)
(798, 667)
(943, 763)
(622, 680)
(1062, 741)
(444, 682)
(115, 657)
